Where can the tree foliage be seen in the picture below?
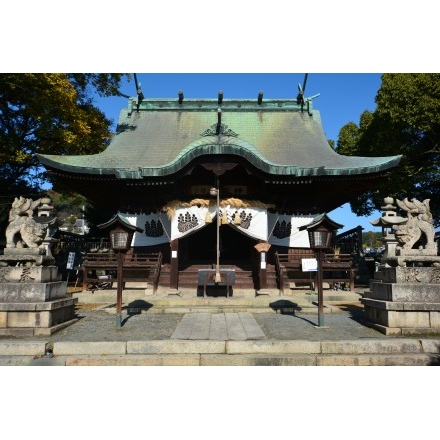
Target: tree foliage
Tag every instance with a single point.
(406, 122)
(48, 113)
(68, 204)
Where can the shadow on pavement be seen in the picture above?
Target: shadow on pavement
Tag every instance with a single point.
(356, 313)
(136, 308)
(285, 307)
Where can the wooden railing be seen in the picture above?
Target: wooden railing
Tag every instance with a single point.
(337, 268)
(135, 267)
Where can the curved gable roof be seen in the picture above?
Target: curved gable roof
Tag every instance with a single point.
(164, 136)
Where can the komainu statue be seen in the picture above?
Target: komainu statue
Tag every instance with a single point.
(420, 223)
(23, 231)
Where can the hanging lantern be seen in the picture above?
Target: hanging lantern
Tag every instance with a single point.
(224, 218)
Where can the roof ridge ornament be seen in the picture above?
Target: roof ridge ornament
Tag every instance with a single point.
(219, 128)
(216, 130)
(139, 95)
(300, 100)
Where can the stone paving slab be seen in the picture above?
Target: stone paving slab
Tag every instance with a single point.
(133, 361)
(22, 348)
(251, 327)
(235, 327)
(218, 329)
(379, 359)
(175, 346)
(218, 326)
(391, 346)
(185, 327)
(250, 360)
(279, 347)
(99, 348)
(201, 327)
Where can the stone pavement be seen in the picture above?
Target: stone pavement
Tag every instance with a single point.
(100, 325)
(203, 339)
(218, 327)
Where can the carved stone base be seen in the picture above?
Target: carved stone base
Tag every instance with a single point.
(404, 301)
(413, 260)
(37, 318)
(25, 257)
(34, 301)
(32, 292)
(31, 284)
(407, 275)
(31, 274)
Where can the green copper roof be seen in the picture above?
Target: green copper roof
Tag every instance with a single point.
(319, 220)
(119, 219)
(163, 136)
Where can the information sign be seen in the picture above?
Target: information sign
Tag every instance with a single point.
(309, 264)
(70, 260)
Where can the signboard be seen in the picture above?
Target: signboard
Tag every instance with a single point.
(309, 264)
(70, 260)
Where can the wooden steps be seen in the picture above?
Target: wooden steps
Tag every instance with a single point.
(246, 276)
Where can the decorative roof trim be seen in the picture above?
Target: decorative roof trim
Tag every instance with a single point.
(223, 146)
(229, 105)
(217, 129)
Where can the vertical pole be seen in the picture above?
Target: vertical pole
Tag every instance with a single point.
(174, 270)
(217, 266)
(119, 291)
(84, 277)
(320, 292)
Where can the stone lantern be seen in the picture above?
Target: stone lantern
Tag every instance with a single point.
(387, 222)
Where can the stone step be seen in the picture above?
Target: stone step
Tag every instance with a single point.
(185, 301)
(398, 352)
(254, 360)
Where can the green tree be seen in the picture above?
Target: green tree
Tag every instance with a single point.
(406, 122)
(48, 113)
(68, 204)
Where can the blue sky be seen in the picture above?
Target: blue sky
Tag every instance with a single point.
(231, 36)
(195, 36)
(342, 98)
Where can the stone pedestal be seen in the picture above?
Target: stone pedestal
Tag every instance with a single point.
(404, 300)
(33, 299)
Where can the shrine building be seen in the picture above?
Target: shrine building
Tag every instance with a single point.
(218, 178)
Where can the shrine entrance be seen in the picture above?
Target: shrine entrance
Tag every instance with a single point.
(200, 247)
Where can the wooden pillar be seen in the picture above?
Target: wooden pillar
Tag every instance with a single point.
(262, 247)
(120, 259)
(174, 265)
(352, 273)
(84, 277)
(320, 290)
(263, 270)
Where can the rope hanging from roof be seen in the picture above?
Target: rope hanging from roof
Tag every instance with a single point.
(170, 208)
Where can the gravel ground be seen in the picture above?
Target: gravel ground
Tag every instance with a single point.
(100, 325)
(337, 326)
